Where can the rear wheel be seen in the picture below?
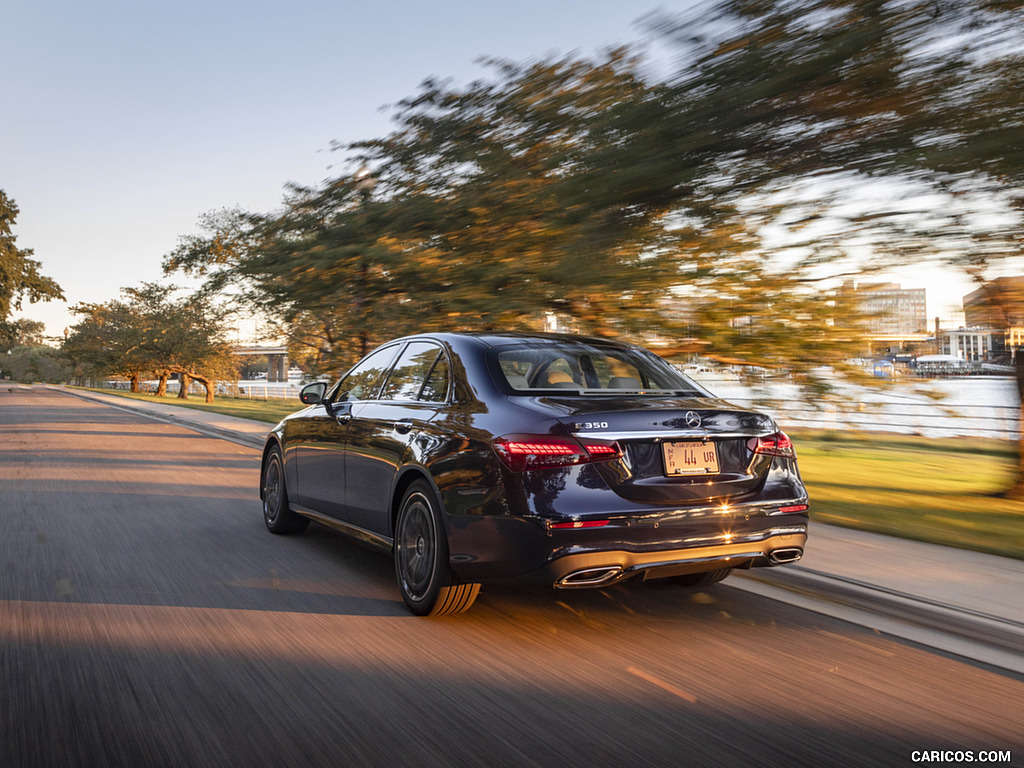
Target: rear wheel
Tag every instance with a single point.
(702, 579)
(428, 586)
(276, 513)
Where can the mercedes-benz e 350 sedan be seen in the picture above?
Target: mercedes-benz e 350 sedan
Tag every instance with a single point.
(503, 457)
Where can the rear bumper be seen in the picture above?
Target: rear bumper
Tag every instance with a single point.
(526, 549)
(776, 546)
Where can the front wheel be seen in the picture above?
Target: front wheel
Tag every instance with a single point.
(428, 586)
(276, 513)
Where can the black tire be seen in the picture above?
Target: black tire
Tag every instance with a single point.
(276, 512)
(425, 580)
(702, 579)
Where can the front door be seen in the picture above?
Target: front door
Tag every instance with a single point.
(387, 433)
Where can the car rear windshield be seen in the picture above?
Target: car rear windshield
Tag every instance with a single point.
(591, 369)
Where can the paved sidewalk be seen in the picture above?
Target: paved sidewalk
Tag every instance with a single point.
(936, 589)
(969, 581)
(244, 431)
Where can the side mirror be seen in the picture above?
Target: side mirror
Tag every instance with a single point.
(311, 394)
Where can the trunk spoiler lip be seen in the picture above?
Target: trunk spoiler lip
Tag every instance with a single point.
(662, 435)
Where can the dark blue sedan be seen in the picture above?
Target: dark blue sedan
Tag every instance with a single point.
(572, 461)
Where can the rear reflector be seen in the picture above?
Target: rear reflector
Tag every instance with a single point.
(777, 444)
(523, 452)
(581, 524)
(794, 508)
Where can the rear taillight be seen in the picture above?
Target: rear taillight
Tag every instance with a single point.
(523, 452)
(777, 444)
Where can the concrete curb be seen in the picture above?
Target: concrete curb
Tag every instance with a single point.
(974, 635)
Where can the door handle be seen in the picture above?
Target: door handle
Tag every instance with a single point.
(344, 418)
(403, 426)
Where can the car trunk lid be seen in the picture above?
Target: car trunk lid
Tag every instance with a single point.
(672, 448)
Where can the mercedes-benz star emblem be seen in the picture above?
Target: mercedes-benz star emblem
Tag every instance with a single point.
(692, 419)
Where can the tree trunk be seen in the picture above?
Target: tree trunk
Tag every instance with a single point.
(161, 386)
(185, 381)
(207, 384)
(134, 386)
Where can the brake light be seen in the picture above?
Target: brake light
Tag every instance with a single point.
(777, 444)
(523, 452)
(794, 508)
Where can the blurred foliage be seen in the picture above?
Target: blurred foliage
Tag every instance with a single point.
(19, 272)
(33, 363)
(21, 333)
(709, 211)
(150, 332)
(820, 99)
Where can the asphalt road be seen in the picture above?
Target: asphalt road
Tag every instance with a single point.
(147, 618)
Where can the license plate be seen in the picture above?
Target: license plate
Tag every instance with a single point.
(690, 458)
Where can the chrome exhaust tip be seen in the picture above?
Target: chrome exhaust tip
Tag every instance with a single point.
(589, 577)
(785, 555)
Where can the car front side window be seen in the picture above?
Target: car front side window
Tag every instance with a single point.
(361, 381)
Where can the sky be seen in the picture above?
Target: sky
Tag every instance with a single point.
(124, 121)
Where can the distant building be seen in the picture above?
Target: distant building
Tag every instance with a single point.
(892, 310)
(895, 318)
(975, 345)
(998, 303)
(994, 320)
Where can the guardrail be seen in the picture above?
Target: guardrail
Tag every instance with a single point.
(1001, 422)
(251, 390)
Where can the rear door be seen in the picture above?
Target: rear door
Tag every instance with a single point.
(321, 439)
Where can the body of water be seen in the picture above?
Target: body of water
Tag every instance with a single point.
(983, 406)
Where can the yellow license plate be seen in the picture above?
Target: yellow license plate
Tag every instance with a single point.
(691, 458)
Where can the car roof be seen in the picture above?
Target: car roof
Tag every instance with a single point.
(504, 338)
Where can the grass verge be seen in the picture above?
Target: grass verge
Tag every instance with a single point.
(940, 490)
(270, 411)
(944, 491)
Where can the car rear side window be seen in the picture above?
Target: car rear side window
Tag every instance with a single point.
(435, 389)
(411, 371)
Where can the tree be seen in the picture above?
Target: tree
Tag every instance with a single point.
(152, 332)
(816, 98)
(34, 363)
(310, 270)
(631, 206)
(21, 333)
(106, 341)
(488, 197)
(184, 336)
(537, 192)
(19, 273)
(922, 101)
(580, 189)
